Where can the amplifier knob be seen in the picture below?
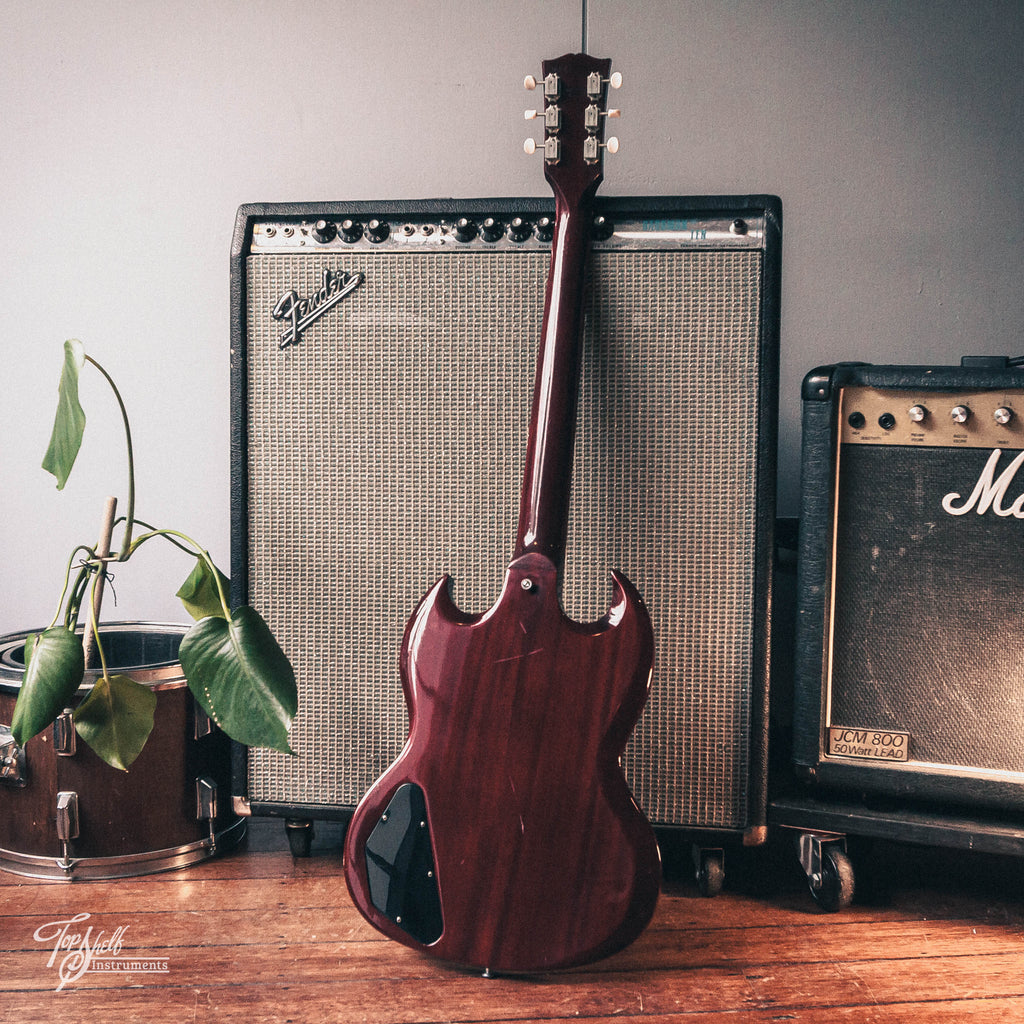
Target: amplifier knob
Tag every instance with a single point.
(960, 414)
(465, 230)
(351, 231)
(325, 231)
(377, 230)
(1003, 416)
(518, 229)
(492, 230)
(544, 229)
(917, 413)
(603, 229)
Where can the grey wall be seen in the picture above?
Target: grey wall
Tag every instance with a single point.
(131, 131)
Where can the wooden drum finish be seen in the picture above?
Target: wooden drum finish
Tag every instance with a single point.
(69, 815)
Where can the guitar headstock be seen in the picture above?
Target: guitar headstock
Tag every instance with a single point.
(575, 90)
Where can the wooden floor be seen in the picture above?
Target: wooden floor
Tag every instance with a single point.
(256, 936)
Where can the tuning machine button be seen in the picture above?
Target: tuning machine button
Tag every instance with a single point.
(552, 85)
(552, 115)
(595, 81)
(592, 115)
(591, 147)
(552, 149)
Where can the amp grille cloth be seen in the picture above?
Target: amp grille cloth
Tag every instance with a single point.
(387, 448)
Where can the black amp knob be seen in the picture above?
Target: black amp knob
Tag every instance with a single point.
(377, 230)
(492, 229)
(351, 231)
(325, 231)
(465, 230)
(518, 229)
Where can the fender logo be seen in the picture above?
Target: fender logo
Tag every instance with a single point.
(989, 491)
(300, 313)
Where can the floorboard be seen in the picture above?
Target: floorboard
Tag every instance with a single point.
(258, 936)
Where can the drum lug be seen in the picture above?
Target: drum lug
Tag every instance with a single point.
(67, 827)
(206, 805)
(13, 763)
(64, 735)
(202, 722)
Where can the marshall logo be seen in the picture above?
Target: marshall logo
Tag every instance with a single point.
(990, 491)
(300, 313)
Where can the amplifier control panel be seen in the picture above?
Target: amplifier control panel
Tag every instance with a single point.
(954, 419)
(497, 231)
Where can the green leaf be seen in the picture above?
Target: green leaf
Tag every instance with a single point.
(69, 423)
(54, 668)
(116, 719)
(199, 593)
(241, 678)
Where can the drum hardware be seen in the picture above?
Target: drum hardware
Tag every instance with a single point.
(65, 739)
(202, 723)
(67, 827)
(206, 806)
(13, 763)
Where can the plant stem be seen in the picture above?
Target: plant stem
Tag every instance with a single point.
(197, 552)
(102, 551)
(67, 580)
(129, 519)
(93, 626)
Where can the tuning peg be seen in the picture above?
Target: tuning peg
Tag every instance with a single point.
(591, 147)
(552, 116)
(552, 149)
(592, 116)
(552, 85)
(595, 81)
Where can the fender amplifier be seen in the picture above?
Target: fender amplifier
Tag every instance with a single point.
(382, 370)
(910, 642)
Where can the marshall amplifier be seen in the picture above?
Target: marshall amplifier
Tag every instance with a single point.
(382, 368)
(910, 640)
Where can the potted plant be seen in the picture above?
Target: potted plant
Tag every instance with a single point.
(233, 665)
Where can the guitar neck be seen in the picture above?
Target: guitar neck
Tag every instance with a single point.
(544, 500)
(573, 169)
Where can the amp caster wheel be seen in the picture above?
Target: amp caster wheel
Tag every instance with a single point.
(709, 869)
(300, 836)
(829, 870)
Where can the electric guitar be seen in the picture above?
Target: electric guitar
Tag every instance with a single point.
(504, 837)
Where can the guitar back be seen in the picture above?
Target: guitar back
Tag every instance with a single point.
(540, 857)
(504, 836)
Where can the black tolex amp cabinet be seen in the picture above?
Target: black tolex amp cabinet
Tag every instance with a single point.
(382, 368)
(910, 657)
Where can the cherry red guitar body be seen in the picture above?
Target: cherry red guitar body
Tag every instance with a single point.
(505, 837)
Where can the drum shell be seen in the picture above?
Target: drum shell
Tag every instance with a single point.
(122, 816)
